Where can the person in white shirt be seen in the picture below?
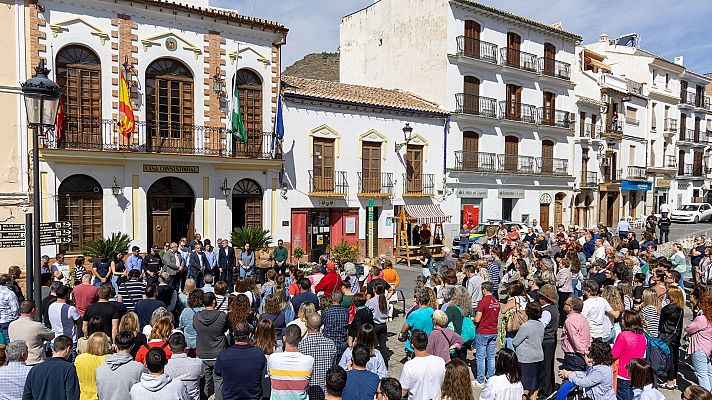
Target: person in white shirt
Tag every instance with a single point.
(536, 228)
(506, 384)
(64, 318)
(597, 310)
(664, 208)
(474, 284)
(422, 376)
(600, 252)
(60, 269)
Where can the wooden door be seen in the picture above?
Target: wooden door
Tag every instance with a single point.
(514, 42)
(470, 150)
(697, 129)
(472, 39)
(414, 168)
(594, 120)
(547, 156)
(514, 98)
(548, 108)
(549, 58)
(511, 153)
(697, 163)
(171, 108)
(683, 125)
(159, 219)
(681, 162)
(253, 212)
(699, 96)
(558, 212)
(471, 100)
(323, 163)
(683, 91)
(544, 216)
(371, 167)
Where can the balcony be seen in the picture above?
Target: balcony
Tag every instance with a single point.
(472, 161)
(666, 165)
(670, 125)
(708, 104)
(518, 112)
(669, 161)
(477, 49)
(612, 175)
(634, 87)
(475, 105)
(551, 117)
(614, 129)
(589, 179)
(591, 131)
(555, 68)
(688, 99)
(154, 137)
(613, 82)
(375, 185)
(328, 185)
(418, 185)
(518, 59)
(636, 173)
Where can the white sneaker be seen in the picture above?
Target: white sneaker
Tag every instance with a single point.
(477, 384)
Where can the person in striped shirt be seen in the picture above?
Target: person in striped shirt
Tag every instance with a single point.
(290, 370)
(131, 291)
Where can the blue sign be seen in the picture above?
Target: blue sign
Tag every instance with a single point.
(636, 185)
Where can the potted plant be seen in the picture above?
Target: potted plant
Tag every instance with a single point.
(344, 252)
(298, 253)
(256, 237)
(117, 243)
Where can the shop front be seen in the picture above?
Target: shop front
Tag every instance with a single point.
(317, 230)
(634, 196)
(471, 206)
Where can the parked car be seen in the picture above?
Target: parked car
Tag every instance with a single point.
(693, 212)
(480, 231)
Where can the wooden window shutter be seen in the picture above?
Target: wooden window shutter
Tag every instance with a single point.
(371, 167)
(511, 153)
(547, 156)
(472, 39)
(549, 58)
(470, 150)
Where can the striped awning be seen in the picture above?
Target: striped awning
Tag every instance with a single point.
(427, 213)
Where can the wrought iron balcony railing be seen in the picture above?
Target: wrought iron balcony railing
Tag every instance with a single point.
(478, 49)
(157, 137)
(418, 184)
(670, 125)
(325, 183)
(612, 175)
(669, 161)
(517, 112)
(636, 172)
(473, 161)
(475, 105)
(552, 67)
(592, 131)
(375, 184)
(518, 59)
(551, 117)
(589, 179)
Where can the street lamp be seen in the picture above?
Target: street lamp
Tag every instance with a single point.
(218, 83)
(407, 136)
(115, 188)
(226, 190)
(41, 101)
(129, 72)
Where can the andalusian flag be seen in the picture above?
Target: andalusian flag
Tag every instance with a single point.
(127, 122)
(238, 125)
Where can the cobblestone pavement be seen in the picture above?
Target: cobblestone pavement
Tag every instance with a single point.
(395, 365)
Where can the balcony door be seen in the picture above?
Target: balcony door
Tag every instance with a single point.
(511, 153)
(79, 76)
(471, 89)
(470, 150)
(249, 86)
(697, 163)
(699, 96)
(414, 168)
(548, 109)
(472, 39)
(681, 162)
(683, 126)
(371, 167)
(323, 165)
(697, 129)
(547, 156)
(514, 43)
(169, 110)
(514, 98)
(549, 58)
(683, 91)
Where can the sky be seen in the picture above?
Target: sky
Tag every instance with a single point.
(667, 28)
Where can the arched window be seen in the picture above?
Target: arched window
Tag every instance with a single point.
(249, 86)
(80, 202)
(79, 75)
(169, 108)
(472, 39)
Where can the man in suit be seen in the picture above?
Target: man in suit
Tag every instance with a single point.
(197, 265)
(173, 264)
(226, 263)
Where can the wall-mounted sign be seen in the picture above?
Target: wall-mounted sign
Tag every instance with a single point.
(636, 185)
(510, 193)
(683, 185)
(171, 169)
(350, 225)
(326, 202)
(663, 183)
(476, 193)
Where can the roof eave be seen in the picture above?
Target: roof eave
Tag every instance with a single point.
(431, 113)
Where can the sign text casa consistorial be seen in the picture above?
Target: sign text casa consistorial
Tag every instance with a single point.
(171, 169)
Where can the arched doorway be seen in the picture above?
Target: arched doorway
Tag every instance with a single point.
(170, 205)
(247, 204)
(559, 209)
(80, 202)
(544, 203)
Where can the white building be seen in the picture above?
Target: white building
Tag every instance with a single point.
(181, 172)
(345, 148)
(507, 81)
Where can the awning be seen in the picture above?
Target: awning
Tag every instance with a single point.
(601, 65)
(427, 213)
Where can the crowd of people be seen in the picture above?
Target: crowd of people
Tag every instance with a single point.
(242, 324)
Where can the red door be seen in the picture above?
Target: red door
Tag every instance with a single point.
(344, 227)
(299, 231)
(470, 215)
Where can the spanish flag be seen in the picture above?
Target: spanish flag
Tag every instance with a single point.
(127, 122)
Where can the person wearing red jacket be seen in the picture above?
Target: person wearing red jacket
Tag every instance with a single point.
(330, 282)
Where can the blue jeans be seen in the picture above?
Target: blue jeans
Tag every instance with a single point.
(245, 273)
(464, 248)
(485, 343)
(624, 391)
(114, 283)
(703, 369)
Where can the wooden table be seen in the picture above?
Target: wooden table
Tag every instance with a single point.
(414, 253)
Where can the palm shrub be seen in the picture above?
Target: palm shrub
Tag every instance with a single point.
(101, 248)
(256, 237)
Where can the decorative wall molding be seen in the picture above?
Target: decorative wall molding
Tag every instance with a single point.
(155, 41)
(63, 26)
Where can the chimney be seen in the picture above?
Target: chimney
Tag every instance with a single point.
(679, 60)
(603, 38)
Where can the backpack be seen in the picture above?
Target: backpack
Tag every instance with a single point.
(468, 328)
(657, 354)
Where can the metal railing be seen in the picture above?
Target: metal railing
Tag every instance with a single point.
(422, 184)
(708, 103)
(615, 127)
(156, 137)
(612, 175)
(473, 161)
(552, 67)
(636, 172)
(691, 170)
(689, 98)
(589, 179)
(475, 105)
(478, 49)
(592, 131)
(518, 112)
(552, 117)
(634, 87)
(378, 183)
(518, 59)
(329, 184)
(669, 161)
(670, 125)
